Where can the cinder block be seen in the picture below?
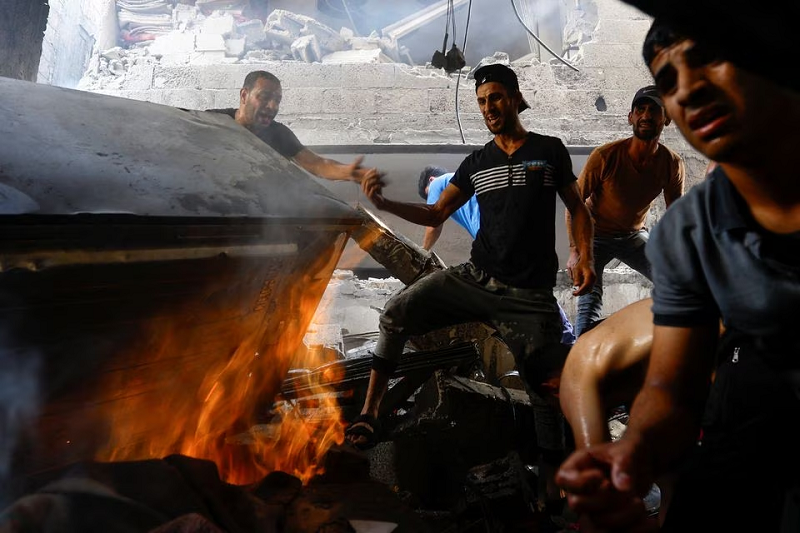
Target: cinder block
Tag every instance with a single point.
(189, 98)
(612, 55)
(302, 100)
(369, 75)
(300, 74)
(139, 77)
(419, 78)
(627, 31)
(353, 101)
(402, 101)
(444, 100)
(538, 75)
(235, 47)
(209, 42)
(176, 77)
(224, 98)
(618, 78)
(586, 78)
(614, 9)
(219, 24)
(224, 76)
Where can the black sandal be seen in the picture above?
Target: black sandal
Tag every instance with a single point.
(369, 428)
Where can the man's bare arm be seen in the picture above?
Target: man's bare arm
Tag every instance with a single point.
(605, 368)
(330, 168)
(432, 234)
(582, 230)
(423, 214)
(665, 417)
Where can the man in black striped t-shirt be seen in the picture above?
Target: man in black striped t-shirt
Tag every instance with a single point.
(508, 282)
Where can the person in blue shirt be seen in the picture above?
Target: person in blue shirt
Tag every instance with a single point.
(432, 181)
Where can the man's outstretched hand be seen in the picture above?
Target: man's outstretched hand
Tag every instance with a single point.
(372, 186)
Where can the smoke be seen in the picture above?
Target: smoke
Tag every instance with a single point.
(19, 404)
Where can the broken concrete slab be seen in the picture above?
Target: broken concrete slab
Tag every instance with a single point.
(307, 48)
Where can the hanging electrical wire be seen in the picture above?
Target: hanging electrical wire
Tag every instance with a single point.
(464, 51)
(536, 37)
(350, 16)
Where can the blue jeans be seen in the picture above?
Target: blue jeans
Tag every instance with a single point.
(627, 248)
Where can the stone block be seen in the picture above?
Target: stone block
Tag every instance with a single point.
(423, 78)
(356, 56)
(224, 98)
(221, 24)
(235, 47)
(139, 77)
(444, 100)
(181, 58)
(402, 101)
(209, 42)
(302, 100)
(188, 99)
(369, 75)
(252, 31)
(209, 57)
(300, 74)
(176, 77)
(175, 42)
(355, 101)
(614, 9)
(225, 76)
(627, 31)
(537, 76)
(307, 48)
(618, 78)
(612, 55)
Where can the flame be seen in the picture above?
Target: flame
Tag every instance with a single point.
(220, 420)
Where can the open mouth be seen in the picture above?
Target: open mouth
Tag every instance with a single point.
(264, 118)
(709, 121)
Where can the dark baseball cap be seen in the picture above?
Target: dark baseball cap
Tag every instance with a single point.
(500, 73)
(650, 92)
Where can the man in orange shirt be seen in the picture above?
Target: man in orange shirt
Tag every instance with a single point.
(619, 183)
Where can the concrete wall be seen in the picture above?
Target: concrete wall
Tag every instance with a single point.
(22, 24)
(74, 28)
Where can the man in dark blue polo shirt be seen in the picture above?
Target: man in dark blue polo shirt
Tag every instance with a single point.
(259, 102)
(730, 250)
(509, 279)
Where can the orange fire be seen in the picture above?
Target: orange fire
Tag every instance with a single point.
(226, 418)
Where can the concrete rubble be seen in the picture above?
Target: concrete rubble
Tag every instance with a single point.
(215, 31)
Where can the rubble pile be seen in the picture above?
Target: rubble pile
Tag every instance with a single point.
(221, 31)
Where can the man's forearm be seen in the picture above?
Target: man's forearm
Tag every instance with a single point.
(422, 214)
(431, 236)
(665, 428)
(666, 414)
(584, 411)
(582, 231)
(568, 221)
